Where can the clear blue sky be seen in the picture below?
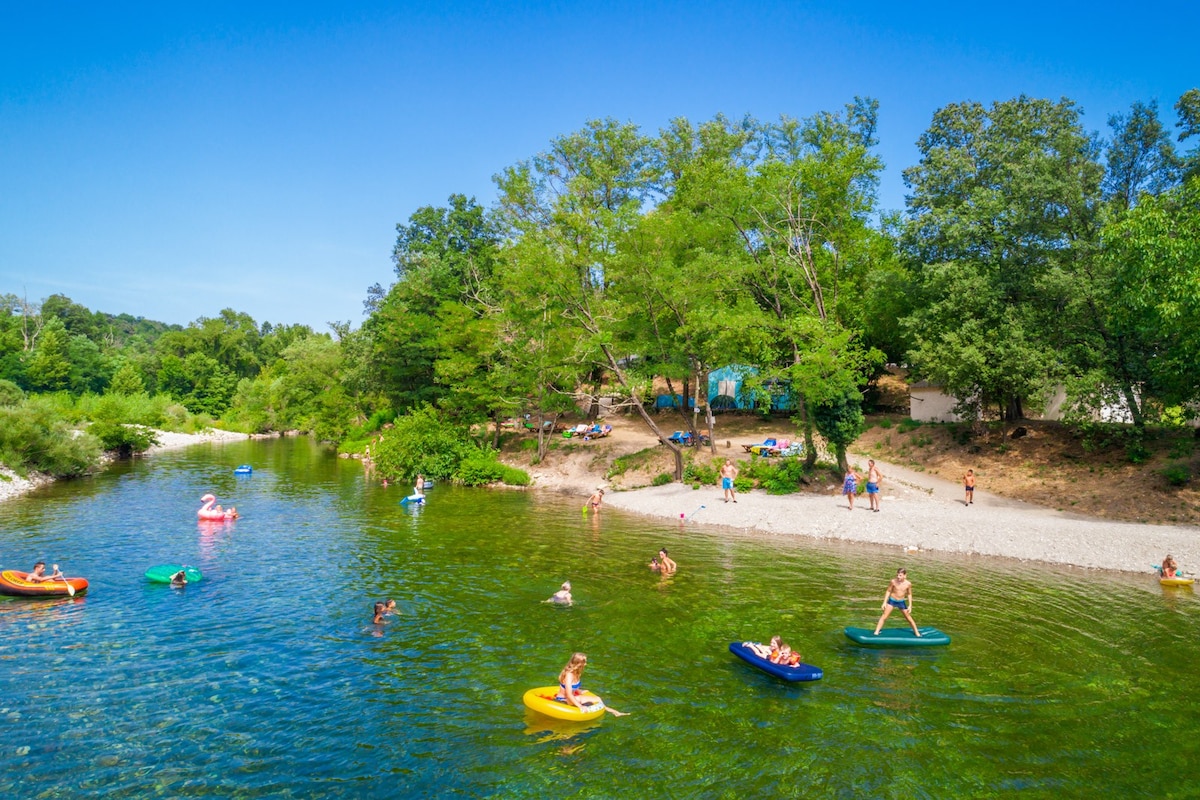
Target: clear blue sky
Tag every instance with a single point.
(174, 159)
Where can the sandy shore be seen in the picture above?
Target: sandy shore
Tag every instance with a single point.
(925, 513)
(15, 485)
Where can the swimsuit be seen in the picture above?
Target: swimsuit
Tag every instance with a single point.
(900, 604)
(726, 483)
(562, 690)
(848, 486)
(872, 488)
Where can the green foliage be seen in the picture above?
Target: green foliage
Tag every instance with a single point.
(124, 439)
(10, 393)
(424, 441)
(907, 424)
(885, 423)
(623, 464)
(840, 422)
(127, 380)
(662, 479)
(696, 472)
(33, 435)
(1177, 474)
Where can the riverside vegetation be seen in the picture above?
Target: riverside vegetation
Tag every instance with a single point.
(1032, 254)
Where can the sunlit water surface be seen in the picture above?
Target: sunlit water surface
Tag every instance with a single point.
(267, 679)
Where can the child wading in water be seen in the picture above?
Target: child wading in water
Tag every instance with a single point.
(898, 595)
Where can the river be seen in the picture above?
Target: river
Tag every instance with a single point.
(266, 678)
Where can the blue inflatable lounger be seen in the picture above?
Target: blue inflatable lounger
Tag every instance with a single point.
(898, 637)
(244, 469)
(800, 672)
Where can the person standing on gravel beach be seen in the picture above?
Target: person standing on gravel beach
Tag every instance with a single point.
(969, 487)
(874, 478)
(850, 486)
(728, 473)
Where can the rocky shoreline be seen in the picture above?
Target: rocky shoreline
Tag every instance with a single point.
(13, 485)
(923, 513)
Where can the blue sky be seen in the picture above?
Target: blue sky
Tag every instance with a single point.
(171, 160)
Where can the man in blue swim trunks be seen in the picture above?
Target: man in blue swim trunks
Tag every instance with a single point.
(874, 478)
(898, 595)
(728, 473)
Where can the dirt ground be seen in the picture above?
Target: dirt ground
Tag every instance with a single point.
(1044, 463)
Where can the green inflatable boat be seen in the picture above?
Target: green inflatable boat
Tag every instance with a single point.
(898, 637)
(163, 572)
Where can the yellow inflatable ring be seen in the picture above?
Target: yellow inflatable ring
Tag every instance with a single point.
(542, 701)
(1176, 581)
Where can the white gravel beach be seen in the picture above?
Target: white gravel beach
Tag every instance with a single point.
(922, 512)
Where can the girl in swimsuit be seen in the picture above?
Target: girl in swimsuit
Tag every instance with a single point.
(569, 681)
(1169, 568)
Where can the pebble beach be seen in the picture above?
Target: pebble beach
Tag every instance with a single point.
(918, 513)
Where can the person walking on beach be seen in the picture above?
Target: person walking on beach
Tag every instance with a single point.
(969, 487)
(850, 486)
(898, 595)
(728, 473)
(874, 478)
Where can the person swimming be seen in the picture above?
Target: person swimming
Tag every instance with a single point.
(179, 579)
(562, 597)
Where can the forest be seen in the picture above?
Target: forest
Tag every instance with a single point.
(1031, 254)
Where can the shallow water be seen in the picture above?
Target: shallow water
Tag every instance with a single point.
(267, 680)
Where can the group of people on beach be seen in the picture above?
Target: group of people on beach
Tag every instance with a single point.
(875, 478)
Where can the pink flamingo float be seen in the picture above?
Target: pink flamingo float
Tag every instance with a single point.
(207, 512)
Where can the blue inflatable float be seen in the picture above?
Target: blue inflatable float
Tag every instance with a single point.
(800, 672)
(244, 469)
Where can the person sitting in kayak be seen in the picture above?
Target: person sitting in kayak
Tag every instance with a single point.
(39, 573)
(179, 579)
(1169, 568)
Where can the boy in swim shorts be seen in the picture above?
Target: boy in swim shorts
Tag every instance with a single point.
(898, 595)
(969, 487)
(728, 473)
(874, 478)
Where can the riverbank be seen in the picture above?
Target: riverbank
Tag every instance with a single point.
(920, 513)
(13, 485)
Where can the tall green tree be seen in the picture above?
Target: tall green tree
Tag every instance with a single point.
(1003, 201)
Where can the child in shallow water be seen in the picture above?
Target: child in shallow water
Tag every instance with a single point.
(1169, 568)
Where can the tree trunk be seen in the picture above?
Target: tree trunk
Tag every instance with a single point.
(676, 451)
(810, 445)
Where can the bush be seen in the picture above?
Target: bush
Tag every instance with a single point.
(423, 442)
(34, 435)
(10, 394)
(908, 424)
(662, 479)
(1177, 474)
(743, 484)
(697, 473)
(479, 469)
(125, 440)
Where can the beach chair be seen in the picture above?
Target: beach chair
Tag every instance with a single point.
(757, 449)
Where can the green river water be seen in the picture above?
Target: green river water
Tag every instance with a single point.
(266, 679)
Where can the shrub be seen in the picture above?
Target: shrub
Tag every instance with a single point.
(694, 472)
(10, 393)
(479, 469)
(743, 484)
(662, 479)
(125, 440)
(885, 423)
(423, 442)
(33, 435)
(1177, 474)
(907, 424)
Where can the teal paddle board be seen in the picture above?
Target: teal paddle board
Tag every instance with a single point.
(898, 637)
(163, 572)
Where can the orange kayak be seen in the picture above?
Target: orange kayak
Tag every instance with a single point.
(17, 584)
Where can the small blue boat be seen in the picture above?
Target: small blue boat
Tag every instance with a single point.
(244, 469)
(800, 672)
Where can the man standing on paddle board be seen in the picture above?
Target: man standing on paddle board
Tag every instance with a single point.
(898, 595)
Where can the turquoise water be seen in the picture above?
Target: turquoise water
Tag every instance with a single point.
(266, 679)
